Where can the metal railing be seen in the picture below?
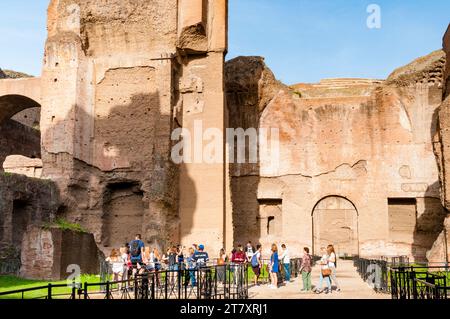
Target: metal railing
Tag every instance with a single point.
(374, 272)
(211, 282)
(230, 281)
(48, 292)
(420, 282)
(403, 279)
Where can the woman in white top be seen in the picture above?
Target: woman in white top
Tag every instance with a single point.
(332, 263)
(117, 264)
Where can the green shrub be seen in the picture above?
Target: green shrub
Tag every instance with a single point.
(63, 224)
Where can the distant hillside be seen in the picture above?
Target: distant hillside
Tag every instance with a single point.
(8, 74)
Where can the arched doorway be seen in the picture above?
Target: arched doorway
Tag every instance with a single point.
(335, 221)
(20, 136)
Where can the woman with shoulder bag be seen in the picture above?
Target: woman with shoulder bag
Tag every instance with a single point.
(325, 273)
(332, 264)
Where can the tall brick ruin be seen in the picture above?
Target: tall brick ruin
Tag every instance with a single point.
(441, 248)
(118, 78)
(356, 167)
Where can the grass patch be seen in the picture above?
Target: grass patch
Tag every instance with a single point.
(11, 283)
(65, 225)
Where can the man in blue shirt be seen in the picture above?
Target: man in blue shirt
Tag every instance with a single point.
(137, 249)
(201, 256)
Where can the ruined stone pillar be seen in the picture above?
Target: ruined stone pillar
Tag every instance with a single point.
(115, 76)
(204, 190)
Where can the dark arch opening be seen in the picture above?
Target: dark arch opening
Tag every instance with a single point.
(20, 135)
(10, 105)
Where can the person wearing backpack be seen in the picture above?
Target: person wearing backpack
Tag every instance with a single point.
(137, 249)
(257, 263)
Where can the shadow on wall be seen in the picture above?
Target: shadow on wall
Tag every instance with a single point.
(122, 180)
(243, 92)
(24, 201)
(17, 138)
(429, 224)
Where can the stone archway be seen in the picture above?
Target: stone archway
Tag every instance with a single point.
(335, 221)
(13, 104)
(20, 136)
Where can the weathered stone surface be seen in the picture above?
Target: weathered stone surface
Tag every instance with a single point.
(18, 139)
(118, 77)
(439, 252)
(428, 69)
(356, 165)
(17, 164)
(29, 117)
(336, 88)
(446, 46)
(441, 139)
(24, 202)
(441, 143)
(47, 254)
(364, 141)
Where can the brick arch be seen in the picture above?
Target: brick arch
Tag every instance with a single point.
(13, 104)
(17, 95)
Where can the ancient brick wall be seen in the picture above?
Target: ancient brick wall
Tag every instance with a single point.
(24, 202)
(442, 151)
(115, 83)
(366, 142)
(48, 253)
(18, 139)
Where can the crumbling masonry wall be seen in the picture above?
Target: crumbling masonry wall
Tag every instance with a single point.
(25, 202)
(116, 81)
(441, 248)
(361, 145)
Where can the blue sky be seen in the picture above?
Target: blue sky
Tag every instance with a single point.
(302, 40)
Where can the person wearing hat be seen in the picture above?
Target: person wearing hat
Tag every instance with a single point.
(201, 256)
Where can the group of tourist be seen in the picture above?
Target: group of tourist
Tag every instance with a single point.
(280, 263)
(135, 258)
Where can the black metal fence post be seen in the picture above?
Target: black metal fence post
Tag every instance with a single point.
(136, 292)
(85, 290)
(73, 295)
(49, 292)
(107, 291)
